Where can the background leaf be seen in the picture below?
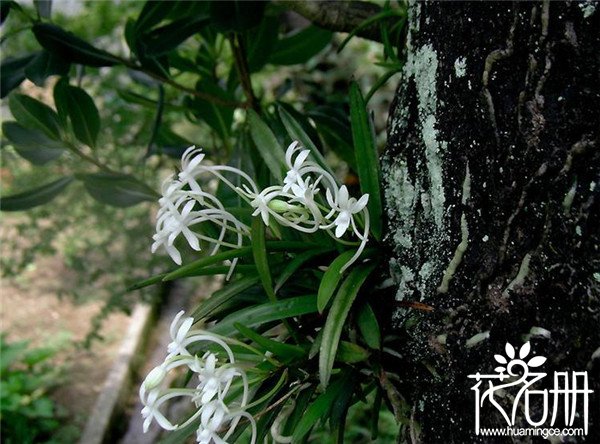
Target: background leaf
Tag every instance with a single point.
(118, 190)
(70, 47)
(12, 73)
(79, 106)
(31, 113)
(44, 65)
(35, 197)
(31, 144)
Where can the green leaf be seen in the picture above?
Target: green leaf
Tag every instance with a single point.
(280, 349)
(331, 279)
(262, 314)
(35, 197)
(301, 46)
(332, 330)
(70, 47)
(118, 190)
(296, 263)
(369, 327)
(195, 267)
(31, 113)
(219, 118)
(267, 145)
(319, 409)
(259, 251)
(351, 353)
(296, 132)
(152, 14)
(223, 295)
(333, 125)
(367, 160)
(163, 40)
(261, 42)
(12, 73)
(45, 65)
(79, 106)
(31, 144)
(192, 268)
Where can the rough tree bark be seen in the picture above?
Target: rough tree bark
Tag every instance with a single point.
(492, 179)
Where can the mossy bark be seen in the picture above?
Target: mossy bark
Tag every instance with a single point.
(492, 179)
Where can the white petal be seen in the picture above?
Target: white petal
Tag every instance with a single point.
(524, 350)
(343, 196)
(510, 350)
(265, 216)
(175, 324)
(329, 197)
(184, 329)
(300, 159)
(536, 361)
(174, 253)
(192, 239)
(342, 225)
(362, 202)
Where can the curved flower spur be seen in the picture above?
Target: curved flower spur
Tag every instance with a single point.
(184, 205)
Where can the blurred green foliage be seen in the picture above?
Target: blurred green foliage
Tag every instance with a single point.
(27, 413)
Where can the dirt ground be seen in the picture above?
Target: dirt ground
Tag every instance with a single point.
(33, 297)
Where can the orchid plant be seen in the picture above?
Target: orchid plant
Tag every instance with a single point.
(308, 200)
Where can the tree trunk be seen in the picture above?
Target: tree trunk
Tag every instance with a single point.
(492, 179)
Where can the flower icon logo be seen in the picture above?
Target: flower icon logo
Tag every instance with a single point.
(510, 360)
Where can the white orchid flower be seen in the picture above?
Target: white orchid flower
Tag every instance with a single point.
(346, 207)
(151, 411)
(214, 381)
(179, 329)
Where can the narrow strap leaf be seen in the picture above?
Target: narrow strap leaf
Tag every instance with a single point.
(367, 159)
(336, 319)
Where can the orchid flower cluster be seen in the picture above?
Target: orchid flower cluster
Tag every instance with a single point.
(296, 203)
(219, 415)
